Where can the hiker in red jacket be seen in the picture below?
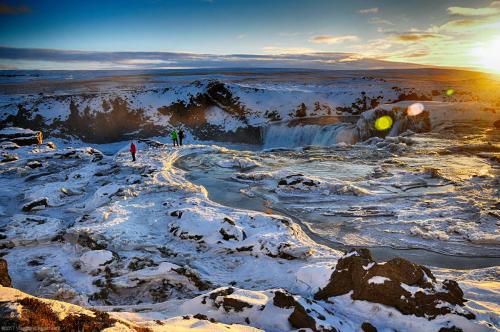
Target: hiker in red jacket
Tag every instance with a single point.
(133, 150)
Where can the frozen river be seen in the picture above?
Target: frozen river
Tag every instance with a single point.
(428, 198)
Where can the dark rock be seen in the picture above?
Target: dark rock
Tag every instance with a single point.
(450, 329)
(301, 111)
(8, 157)
(36, 313)
(295, 179)
(496, 124)
(43, 201)
(234, 304)
(240, 249)
(20, 136)
(91, 242)
(226, 236)
(229, 221)
(299, 318)
(4, 274)
(97, 155)
(9, 145)
(194, 278)
(34, 164)
(177, 214)
(139, 263)
(24, 141)
(283, 300)
(367, 327)
(200, 317)
(223, 292)
(352, 274)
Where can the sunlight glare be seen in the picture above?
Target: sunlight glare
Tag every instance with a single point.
(383, 123)
(488, 55)
(415, 109)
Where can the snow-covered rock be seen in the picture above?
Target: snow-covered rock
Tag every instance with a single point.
(95, 259)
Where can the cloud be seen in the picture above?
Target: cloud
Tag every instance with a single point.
(288, 50)
(6, 9)
(32, 58)
(378, 20)
(145, 62)
(373, 10)
(329, 39)
(480, 25)
(414, 36)
(467, 11)
(417, 54)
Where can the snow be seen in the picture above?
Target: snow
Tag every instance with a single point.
(25, 229)
(377, 280)
(242, 163)
(412, 289)
(16, 130)
(314, 276)
(180, 324)
(149, 210)
(369, 266)
(95, 259)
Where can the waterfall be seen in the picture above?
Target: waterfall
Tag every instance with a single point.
(291, 135)
(283, 135)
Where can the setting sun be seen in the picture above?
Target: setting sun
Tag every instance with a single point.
(487, 55)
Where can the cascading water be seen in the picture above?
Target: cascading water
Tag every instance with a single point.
(290, 135)
(282, 135)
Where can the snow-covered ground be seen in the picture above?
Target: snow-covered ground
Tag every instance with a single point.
(140, 239)
(242, 237)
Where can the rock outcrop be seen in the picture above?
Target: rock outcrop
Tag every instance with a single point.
(4, 274)
(398, 283)
(20, 136)
(20, 312)
(401, 122)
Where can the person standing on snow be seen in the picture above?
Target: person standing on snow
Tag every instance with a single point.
(181, 136)
(133, 150)
(173, 134)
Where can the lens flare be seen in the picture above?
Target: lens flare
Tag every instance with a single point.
(383, 123)
(450, 92)
(415, 109)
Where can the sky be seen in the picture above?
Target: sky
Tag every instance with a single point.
(324, 34)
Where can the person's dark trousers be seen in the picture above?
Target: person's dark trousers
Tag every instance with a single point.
(180, 140)
(133, 156)
(176, 141)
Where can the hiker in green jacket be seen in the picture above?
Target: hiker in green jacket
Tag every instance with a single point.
(173, 134)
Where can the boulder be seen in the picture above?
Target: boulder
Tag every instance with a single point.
(7, 157)
(36, 204)
(4, 274)
(21, 136)
(398, 283)
(34, 164)
(22, 312)
(9, 145)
